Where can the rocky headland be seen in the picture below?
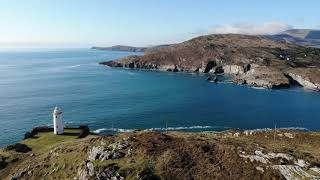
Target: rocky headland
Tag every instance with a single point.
(252, 60)
(144, 155)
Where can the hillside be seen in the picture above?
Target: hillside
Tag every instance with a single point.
(174, 155)
(253, 60)
(304, 37)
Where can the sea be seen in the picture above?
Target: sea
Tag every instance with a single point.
(112, 100)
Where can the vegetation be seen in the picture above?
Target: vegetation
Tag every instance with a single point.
(156, 155)
(43, 141)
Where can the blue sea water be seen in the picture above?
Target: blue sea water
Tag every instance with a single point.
(33, 81)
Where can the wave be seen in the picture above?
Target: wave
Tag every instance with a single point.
(280, 128)
(219, 128)
(73, 66)
(183, 128)
(259, 88)
(295, 128)
(98, 131)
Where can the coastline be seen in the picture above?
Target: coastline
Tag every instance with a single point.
(233, 78)
(279, 153)
(252, 60)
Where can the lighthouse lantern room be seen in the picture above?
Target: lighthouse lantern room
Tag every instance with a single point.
(57, 121)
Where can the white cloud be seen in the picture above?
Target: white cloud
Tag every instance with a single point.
(251, 29)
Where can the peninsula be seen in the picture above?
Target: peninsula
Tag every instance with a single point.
(253, 60)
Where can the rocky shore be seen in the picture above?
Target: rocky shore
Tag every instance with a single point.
(250, 154)
(252, 60)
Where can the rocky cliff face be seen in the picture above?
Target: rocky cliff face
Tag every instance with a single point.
(264, 77)
(253, 60)
(306, 77)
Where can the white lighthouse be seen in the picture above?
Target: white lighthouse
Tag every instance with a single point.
(57, 121)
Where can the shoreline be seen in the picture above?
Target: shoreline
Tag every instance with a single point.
(231, 78)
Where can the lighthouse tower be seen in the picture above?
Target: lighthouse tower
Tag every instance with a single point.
(57, 121)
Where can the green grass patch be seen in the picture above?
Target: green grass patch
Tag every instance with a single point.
(44, 140)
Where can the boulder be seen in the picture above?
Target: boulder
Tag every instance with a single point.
(95, 153)
(215, 79)
(118, 145)
(112, 152)
(89, 171)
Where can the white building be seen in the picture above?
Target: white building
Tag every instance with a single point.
(57, 121)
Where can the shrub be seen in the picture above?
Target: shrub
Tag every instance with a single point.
(18, 147)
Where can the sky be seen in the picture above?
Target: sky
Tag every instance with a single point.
(85, 23)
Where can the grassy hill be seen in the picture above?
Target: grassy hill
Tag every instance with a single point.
(263, 154)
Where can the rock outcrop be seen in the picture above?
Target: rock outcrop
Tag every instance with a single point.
(264, 77)
(232, 54)
(234, 69)
(309, 78)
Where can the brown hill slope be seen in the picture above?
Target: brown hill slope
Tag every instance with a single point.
(254, 60)
(174, 155)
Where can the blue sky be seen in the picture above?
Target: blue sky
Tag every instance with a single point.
(83, 23)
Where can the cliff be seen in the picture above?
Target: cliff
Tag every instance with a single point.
(263, 154)
(253, 60)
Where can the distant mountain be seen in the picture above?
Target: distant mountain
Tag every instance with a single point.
(304, 37)
(303, 33)
(127, 48)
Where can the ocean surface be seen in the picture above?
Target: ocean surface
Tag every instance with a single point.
(109, 100)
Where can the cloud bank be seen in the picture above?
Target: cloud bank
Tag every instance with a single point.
(267, 28)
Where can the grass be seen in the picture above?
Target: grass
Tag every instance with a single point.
(140, 164)
(154, 157)
(44, 140)
(66, 162)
